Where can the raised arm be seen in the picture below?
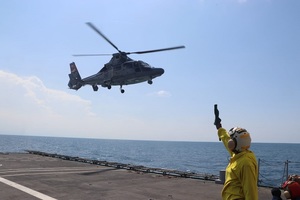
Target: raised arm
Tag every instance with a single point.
(222, 133)
(217, 118)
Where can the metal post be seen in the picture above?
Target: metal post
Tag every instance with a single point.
(287, 169)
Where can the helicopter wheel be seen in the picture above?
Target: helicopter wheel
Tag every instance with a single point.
(95, 88)
(150, 82)
(109, 87)
(121, 89)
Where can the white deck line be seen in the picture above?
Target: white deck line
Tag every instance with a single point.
(26, 189)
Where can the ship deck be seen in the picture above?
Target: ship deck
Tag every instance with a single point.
(30, 176)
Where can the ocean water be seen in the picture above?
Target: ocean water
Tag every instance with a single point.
(199, 157)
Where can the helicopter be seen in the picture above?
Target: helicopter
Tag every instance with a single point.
(120, 70)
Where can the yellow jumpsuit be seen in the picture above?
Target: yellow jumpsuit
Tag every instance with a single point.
(241, 173)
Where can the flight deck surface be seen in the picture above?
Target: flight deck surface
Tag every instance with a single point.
(28, 176)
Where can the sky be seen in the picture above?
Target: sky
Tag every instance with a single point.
(243, 55)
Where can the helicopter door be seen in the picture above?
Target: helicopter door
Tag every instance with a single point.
(137, 67)
(117, 70)
(128, 68)
(108, 73)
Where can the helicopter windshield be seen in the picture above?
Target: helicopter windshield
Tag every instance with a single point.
(144, 64)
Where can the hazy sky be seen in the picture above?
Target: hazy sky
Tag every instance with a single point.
(243, 55)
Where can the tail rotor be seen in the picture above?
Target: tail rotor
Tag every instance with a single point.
(75, 81)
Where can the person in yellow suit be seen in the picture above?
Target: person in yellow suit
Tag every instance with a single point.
(242, 171)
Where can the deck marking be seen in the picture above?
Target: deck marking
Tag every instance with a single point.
(26, 189)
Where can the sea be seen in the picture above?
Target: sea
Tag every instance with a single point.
(276, 160)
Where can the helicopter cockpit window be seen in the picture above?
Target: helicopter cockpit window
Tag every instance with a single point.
(128, 65)
(144, 64)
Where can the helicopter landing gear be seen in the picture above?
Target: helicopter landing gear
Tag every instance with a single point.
(109, 87)
(95, 88)
(150, 82)
(121, 89)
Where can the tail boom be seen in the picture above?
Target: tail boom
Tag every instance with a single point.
(75, 81)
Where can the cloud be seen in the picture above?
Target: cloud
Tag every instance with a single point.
(32, 92)
(28, 106)
(161, 93)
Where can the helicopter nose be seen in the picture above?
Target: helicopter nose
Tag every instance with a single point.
(157, 72)
(161, 71)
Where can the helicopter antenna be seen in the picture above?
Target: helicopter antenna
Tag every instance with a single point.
(99, 32)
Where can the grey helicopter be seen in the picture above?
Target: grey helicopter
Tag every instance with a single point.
(120, 70)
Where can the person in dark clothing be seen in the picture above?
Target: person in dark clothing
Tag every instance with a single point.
(276, 194)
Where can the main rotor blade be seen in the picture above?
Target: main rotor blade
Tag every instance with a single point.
(92, 55)
(99, 32)
(156, 50)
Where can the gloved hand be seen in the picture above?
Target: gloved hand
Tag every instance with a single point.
(217, 122)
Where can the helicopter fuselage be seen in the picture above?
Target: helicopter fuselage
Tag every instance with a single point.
(129, 72)
(121, 70)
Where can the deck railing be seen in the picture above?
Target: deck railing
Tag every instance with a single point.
(274, 173)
